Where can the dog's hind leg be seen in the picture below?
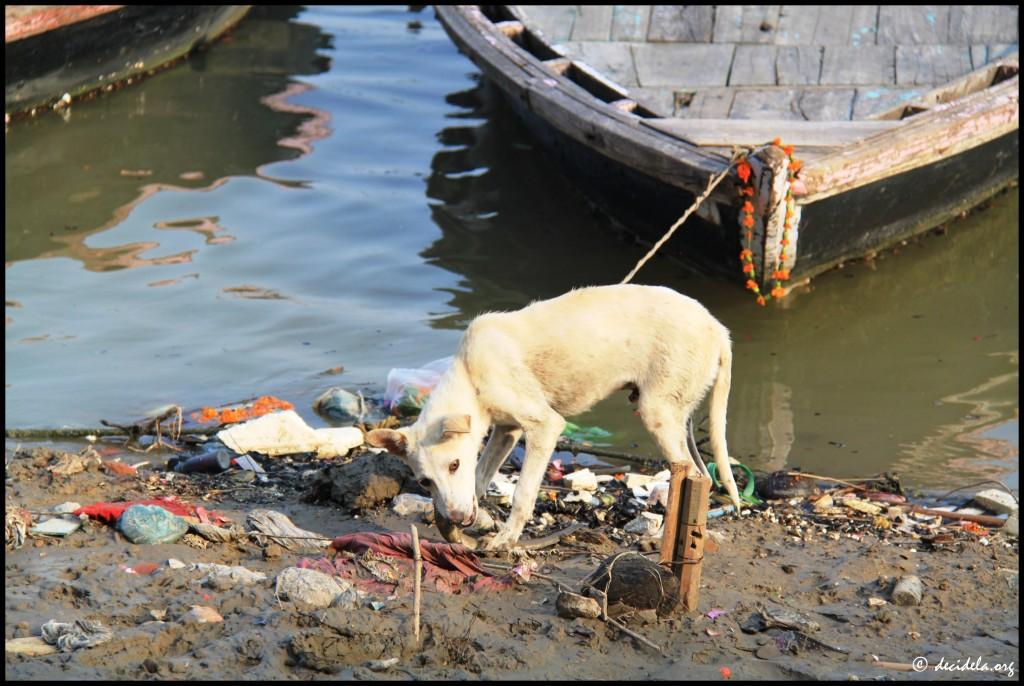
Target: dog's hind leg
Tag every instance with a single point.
(503, 439)
(668, 425)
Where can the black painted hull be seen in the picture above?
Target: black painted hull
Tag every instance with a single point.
(833, 230)
(79, 57)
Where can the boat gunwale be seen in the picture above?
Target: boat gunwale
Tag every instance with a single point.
(975, 118)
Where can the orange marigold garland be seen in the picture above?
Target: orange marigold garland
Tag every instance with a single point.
(746, 216)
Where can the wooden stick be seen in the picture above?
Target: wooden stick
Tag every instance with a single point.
(987, 520)
(416, 582)
(693, 517)
(668, 538)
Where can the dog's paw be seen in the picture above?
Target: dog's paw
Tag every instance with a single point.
(502, 539)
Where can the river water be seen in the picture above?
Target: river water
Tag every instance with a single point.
(338, 186)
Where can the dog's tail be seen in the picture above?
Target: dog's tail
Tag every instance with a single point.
(718, 404)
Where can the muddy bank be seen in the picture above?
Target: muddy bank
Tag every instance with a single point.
(769, 561)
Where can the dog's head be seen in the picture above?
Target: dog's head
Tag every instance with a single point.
(442, 453)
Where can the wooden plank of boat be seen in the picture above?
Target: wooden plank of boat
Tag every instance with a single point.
(747, 132)
(53, 55)
(873, 97)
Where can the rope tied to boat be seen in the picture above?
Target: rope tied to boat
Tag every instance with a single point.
(768, 211)
(712, 184)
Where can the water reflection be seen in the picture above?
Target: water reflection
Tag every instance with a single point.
(89, 176)
(512, 227)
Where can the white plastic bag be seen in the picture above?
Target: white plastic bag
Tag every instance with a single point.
(408, 389)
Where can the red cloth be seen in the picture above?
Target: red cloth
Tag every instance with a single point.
(448, 568)
(111, 512)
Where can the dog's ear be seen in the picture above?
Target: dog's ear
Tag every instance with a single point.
(455, 424)
(395, 442)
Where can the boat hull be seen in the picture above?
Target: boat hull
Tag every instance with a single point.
(833, 230)
(80, 54)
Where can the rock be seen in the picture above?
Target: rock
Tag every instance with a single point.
(309, 587)
(202, 614)
(1012, 525)
(65, 508)
(581, 480)
(908, 591)
(995, 500)
(31, 645)
(876, 602)
(179, 665)
(364, 483)
(789, 619)
(571, 605)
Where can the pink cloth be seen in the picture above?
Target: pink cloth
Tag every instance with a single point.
(447, 568)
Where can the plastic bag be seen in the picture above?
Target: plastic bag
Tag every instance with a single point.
(151, 524)
(408, 389)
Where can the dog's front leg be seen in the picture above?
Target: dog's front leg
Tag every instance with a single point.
(541, 438)
(499, 445)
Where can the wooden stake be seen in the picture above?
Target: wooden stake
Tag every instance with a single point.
(693, 518)
(416, 583)
(668, 538)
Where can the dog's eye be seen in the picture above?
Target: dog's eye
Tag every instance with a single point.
(453, 467)
(426, 483)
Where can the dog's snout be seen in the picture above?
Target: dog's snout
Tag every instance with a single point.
(464, 518)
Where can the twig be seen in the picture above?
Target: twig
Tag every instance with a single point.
(632, 633)
(416, 582)
(831, 480)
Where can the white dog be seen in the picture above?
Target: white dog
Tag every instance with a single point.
(522, 372)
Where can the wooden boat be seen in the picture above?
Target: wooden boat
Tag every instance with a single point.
(54, 54)
(902, 117)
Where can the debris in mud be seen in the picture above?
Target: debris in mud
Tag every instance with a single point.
(69, 464)
(406, 504)
(343, 407)
(367, 481)
(572, 605)
(151, 524)
(383, 563)
(407, 390)
(278, 528)
(310, 588)
(633, 582)
(908, 591)
(202, 614)
(16, 523)
(241, 412)
(285, 433)
(82, 633)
